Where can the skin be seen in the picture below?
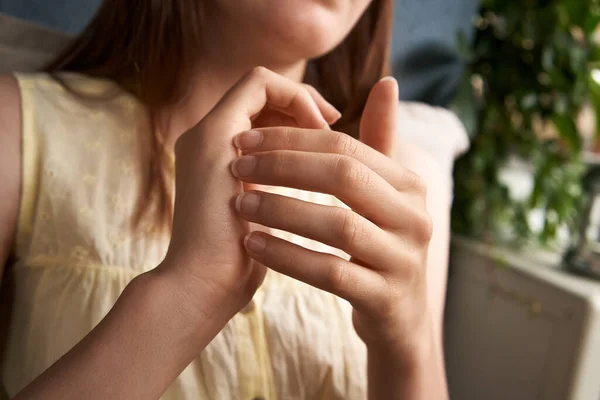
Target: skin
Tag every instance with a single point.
(273, 23)
(166, 317)
(281, 36)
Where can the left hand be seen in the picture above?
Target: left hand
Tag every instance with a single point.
(386, 232)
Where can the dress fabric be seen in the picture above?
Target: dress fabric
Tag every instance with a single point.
(76, 252)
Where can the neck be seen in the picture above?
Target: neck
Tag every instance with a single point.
(212, 79)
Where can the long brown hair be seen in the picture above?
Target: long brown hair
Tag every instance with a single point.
(149, 47)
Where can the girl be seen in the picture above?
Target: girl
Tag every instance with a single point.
(129, 278)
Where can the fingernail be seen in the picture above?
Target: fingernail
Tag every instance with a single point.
(248, 140)
(243, 166)
(388, 78)
(255, 243)
(247, 203)
(335, 118)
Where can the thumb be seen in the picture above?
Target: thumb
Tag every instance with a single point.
(379, 123)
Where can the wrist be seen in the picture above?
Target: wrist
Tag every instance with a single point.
(406, 348)
(415, 371)
(408, 355)
(164, 300)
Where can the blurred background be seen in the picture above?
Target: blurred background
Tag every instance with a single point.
(523, 304)
(522, 314)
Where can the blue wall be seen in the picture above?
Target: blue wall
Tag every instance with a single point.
(66, 15)
(424, 51)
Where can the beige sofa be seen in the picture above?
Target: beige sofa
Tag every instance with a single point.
(25, 46)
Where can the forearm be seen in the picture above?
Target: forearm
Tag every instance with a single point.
(416, 376)
(141, 346)
(422, 376)
(438, 182)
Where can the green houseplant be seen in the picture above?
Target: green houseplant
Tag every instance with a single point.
(531, 73)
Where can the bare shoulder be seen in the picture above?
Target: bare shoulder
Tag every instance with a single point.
(10, 101)
(10, 163)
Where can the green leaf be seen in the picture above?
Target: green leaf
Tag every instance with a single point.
(464, 106)
(561, 104)
(593, 53)
(591, 23)
(529, 101)
(464, 47)
(568, 131)
(594, 94)
(578, 58)
(548, 58)
(577, 11)
(537, 69)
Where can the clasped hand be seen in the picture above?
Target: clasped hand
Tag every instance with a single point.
(385, 229)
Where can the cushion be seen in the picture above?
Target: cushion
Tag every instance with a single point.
(27, 47)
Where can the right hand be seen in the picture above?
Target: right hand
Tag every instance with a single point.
(206, 255)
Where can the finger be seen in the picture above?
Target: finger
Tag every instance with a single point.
(271, 118)
(277, 115)
(334, 226)
(341, 176)
(379, 123)
(262, 87)
(359, 285)
(326, 141)
(330, 113)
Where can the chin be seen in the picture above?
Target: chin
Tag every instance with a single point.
(311, 36)
(288, 29)
(311, 28)
(312, 44)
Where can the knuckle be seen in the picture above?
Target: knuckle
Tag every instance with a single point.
(309, 88)
(312, 92)
(425, 227)
(347, 227)
(417, 184)
(421, 226)
(385, 301)
(337, 276)
(344, 144)
(413, 264)
(409, 269)
(258, 73)
(351, 173)
(286, 256)
(306, 88)
(301, 96)
(304, 93)
(288, 138)
(276, 164)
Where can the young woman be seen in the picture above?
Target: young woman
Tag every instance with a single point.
(109, 294)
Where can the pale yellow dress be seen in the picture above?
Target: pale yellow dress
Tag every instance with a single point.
(76, 253)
